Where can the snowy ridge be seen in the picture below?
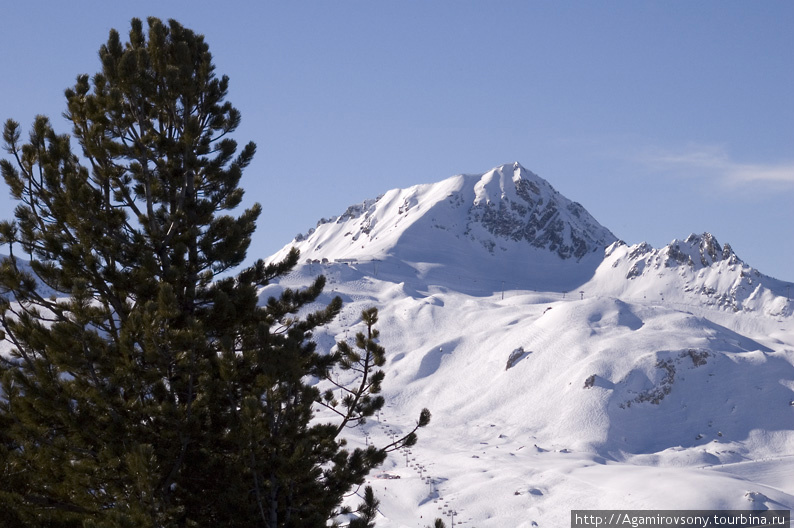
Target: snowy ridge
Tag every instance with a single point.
(695, 270)
(509, 228)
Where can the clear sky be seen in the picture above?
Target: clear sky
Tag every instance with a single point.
(661, 118)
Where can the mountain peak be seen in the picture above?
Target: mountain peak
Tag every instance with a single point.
(695, 268)
(503, 208)
(506, 221)
(709, 249)
(513, 203)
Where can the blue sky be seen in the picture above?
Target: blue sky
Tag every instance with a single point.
(661, 118)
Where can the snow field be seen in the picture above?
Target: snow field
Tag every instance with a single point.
(522, 446)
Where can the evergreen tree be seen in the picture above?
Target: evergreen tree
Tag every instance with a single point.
(141, 388)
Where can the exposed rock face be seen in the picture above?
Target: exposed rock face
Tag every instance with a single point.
(695, 252)
(527, 208)
(698, 251)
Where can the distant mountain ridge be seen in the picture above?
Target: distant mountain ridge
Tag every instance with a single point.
(695, 269)
(509, 227)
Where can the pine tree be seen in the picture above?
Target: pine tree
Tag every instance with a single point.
(146, 385)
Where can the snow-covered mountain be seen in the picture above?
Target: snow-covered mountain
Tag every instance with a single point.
(469, 230)
(694, 270)
(564, 368)
(509, 228)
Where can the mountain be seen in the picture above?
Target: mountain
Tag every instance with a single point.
(564, 368)
(696, 270)
(505, 225)
(509, 228)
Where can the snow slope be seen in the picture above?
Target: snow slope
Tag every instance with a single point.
(606, 404)
(558, 378)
